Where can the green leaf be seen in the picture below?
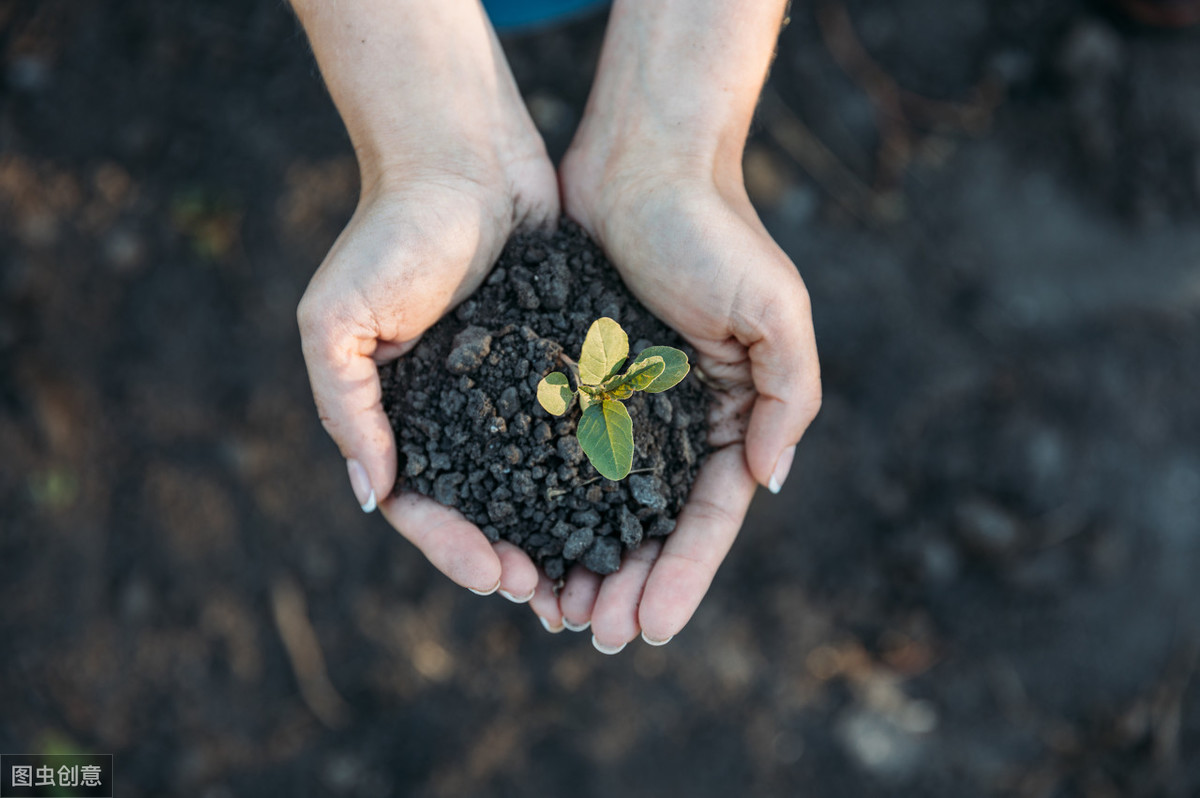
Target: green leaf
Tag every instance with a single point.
(554, 393)
(604, 351)
(676, 367)
(606, 434)
(640, 374)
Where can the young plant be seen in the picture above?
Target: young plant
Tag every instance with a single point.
(605, 430)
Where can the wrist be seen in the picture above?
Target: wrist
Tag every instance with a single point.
(675, 90)
(423, 88)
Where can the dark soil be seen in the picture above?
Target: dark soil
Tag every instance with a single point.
(472, 435)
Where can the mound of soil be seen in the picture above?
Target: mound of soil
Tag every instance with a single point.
(472, 435)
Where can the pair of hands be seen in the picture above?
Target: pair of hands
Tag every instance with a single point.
(674, 219)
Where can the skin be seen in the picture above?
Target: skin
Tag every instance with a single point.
(452, 165)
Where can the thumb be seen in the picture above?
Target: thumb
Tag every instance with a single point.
(787, 378)
(345, 384)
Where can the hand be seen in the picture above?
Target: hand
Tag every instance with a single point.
(451, 167)
(654, 175)
(696, 254)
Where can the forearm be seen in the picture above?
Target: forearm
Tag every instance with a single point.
(683, 75)
(412, 78)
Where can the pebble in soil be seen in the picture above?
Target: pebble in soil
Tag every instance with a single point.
(472, 435)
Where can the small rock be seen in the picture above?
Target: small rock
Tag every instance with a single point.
(570, 450)
(466, 311)
(508, 403)
(445, 488)
(554, 567)
(661, 527)
(631, 529)
(586, 518)
(415, 460)
(542, 433)
(604, 557)
(579, 542)
(553, 281)
(469, 349)
(527, 298)
(523, 484)
(662, 407)
(561, 530)
(647, 490)
(500, 511)
(520, 425)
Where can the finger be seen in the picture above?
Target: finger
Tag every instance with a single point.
(518, 574)
(545, 605)
(578, 597)
(345, 385)
(450, 542)
(692, 553)
(787, 377)
(615, 614)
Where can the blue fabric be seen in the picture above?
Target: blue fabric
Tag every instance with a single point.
(507, 15)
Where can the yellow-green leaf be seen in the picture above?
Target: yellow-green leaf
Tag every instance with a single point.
(640, 374)
(554, 393)
(604, 351)
(676, 367)
(606, 434)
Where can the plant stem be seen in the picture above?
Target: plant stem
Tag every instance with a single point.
(554, 493)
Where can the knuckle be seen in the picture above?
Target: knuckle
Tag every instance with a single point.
(810, 402)
(311, 316)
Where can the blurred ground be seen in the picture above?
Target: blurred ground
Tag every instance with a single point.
(989, 540)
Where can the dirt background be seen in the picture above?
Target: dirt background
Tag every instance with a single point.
(979, 580)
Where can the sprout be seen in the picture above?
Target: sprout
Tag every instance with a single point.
(605, 430)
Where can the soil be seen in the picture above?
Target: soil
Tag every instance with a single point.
(472, 435)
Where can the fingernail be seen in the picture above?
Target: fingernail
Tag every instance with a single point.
(603, 649)
(657, 642)
(360, 483)
(551, 629)
(516, 599)
(782, 467)
(572, 627)
(495, 587)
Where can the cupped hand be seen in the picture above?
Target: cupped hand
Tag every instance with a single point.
(419, 242)
(689, 245)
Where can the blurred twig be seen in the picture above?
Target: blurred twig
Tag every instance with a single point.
(897, 109)
(304, 652)
(794, 137)
(1167, 704)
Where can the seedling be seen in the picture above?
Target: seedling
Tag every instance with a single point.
(605, 430)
